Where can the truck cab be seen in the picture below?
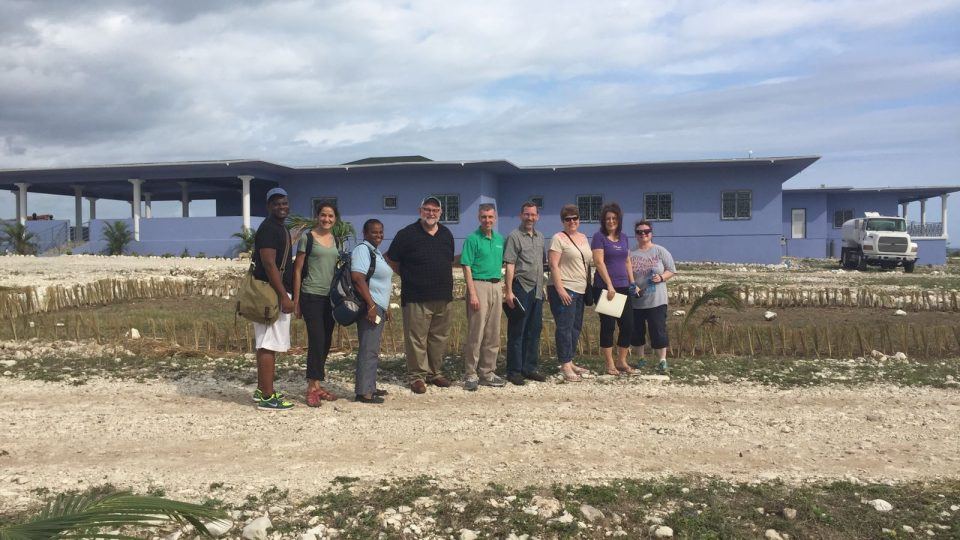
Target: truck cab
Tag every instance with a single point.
(877, 240)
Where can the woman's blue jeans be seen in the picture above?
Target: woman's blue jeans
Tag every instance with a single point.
(569, 321)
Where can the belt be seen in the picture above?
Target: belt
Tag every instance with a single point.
(491, 280)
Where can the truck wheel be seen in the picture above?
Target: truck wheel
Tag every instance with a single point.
(908, 266)
(846, 260)
(860, 262)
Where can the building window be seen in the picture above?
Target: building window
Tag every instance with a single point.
(537, 200)
(318, 200)
(589, 206)
(389, 202)
(842, 216)
(798, 223)
(450, 204)
(736, 204)
(658, 206)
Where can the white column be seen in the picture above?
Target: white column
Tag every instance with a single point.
(147, 208)
(923, 212)
(78, 213)
(903, 211)
(16, 198)
(93, 207)
(245, 200)
(136, 207)
(22, 202)
(185, 198)
(943, 214)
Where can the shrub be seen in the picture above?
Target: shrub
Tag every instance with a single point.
(117, 236)
(20, 240)
(246, 237)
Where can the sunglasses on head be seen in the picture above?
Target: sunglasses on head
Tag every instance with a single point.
(571, 218)
(643, 232)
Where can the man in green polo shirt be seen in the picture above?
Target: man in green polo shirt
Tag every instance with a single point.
(482, 259)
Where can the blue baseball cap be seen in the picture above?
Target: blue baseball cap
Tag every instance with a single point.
(276, 191)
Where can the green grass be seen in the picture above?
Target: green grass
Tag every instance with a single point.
(693, 507)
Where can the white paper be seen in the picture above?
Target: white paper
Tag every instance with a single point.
(613, 308)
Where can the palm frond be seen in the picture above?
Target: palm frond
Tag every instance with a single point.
(247, 239)
(82, 515)
(117, 236)
(342, 230)
(16, 235)
(724, 293)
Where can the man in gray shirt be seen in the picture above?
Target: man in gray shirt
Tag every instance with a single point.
(523, 255)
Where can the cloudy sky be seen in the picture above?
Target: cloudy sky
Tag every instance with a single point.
(872, 86)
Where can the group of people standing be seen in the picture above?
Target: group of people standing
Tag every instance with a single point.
(501, 274)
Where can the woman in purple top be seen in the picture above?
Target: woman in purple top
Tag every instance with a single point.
(611, 255)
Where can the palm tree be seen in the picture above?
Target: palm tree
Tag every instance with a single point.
(342, 230)
(246, 237)
(724, 293)
(83, 515)
(20, 240)
(117, 236)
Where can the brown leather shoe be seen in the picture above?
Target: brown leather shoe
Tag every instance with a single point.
(440, 381)
(418, 387)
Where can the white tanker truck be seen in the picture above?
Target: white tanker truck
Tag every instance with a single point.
(877, 240)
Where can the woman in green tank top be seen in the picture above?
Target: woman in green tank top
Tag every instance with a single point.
(313, 271)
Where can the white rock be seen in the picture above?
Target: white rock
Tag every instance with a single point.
(880, 505)
(772, 534)
(790, 513)
(907, 529)
(661, 531)
(133, 334)
(900, 313)
(467, 534)
(902, 357)
(257, 529)
(590, 513)
(218, 528)
(679, 313)
(546, 506)
(565, 518)
(175, 535)
(8, 363)
(769, 315)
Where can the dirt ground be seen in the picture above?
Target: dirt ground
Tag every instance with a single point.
(184, 435)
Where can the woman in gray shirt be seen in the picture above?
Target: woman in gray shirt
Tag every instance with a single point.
(652, 267)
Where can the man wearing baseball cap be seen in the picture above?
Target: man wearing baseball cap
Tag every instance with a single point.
(271, 242)
(422, 254)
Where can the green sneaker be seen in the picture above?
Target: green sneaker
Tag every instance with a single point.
(258, 395)
(662, 367)
(274, 403)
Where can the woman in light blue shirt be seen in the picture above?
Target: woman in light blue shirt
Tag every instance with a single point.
(376, 294)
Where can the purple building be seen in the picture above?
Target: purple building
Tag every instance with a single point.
(731, 210)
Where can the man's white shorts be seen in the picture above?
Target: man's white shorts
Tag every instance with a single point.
(273, 337)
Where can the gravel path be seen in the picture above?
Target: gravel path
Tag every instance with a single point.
(184, 435)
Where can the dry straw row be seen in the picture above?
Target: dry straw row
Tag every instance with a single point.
(18, 302)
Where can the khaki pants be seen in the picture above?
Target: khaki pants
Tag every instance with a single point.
(483, 332)
(426, 327)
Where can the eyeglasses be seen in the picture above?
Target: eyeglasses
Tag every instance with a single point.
(643, 232)
(430, 210)
(568, 219)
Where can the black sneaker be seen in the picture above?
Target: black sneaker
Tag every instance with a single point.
(376, 400)
(517, 379)
(535, 376)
